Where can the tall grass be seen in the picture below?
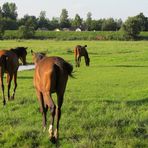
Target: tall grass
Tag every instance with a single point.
(69, 35)
(72, 35)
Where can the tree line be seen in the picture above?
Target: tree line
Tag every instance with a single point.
(29, 23)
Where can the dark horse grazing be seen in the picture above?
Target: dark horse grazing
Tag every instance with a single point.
(51, 75)
(80, 51)
(9, 63)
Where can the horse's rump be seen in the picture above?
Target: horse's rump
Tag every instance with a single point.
(3, 61)
(52, 69)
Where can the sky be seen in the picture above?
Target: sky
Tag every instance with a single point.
(99, 8)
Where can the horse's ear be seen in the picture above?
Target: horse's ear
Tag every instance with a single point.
(85, 45)
(32, 52)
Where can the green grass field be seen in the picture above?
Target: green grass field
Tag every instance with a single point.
(106, 105)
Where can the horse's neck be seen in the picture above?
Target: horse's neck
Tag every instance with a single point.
(37, 60)
(16, 52)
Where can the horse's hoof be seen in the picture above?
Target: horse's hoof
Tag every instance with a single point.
(4, 102)
(53, 140)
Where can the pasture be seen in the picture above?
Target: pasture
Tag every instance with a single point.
(104, 106)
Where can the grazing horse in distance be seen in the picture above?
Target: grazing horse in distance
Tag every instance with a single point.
(50, 76)
(80, 51)
(9, 63)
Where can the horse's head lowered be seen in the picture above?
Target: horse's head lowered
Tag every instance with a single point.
(9, 63)
(87, 59)
(21, 53)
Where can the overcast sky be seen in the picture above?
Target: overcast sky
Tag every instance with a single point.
(99, 8)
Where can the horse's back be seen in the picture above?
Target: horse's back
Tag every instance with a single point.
(49, 72)
(80, 50)
(49, 63)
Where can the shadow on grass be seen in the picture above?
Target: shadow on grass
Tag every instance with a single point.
(130, 102)
(25, 77)
(126, 66)
(137, 102)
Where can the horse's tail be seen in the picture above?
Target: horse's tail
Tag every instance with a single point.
(69, 68)
(64, 65)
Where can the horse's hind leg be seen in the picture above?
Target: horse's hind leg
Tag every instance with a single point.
(2, 86)
(15, 85)
(51, 105)
(9, 79)
(76, 61)
(58, 113)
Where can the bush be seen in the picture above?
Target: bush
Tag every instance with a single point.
(11, 34)
(26, 32)
(71, 35)
(131, 28)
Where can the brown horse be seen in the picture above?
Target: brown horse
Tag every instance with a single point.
(80, 51)
(51, 75)
(9, 63)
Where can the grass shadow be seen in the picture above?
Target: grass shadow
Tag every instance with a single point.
(126, 66)
(130, 102)
(25, 77)
(137, 102)
(131, 66)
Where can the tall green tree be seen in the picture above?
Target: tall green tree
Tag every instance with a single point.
(88, 21)
(9, 24)
(43, 22)
(77, 22)
(109, 25)
(119, 23)
(9, 10)
(29, 21)
(143, 21)
(64, 21)
(1, 14)
(96, 25)
(54, 23)
(8, 15)
(1, 27)
(131, 27)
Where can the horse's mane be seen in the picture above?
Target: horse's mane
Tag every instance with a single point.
(19, 51)
(40, 55)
